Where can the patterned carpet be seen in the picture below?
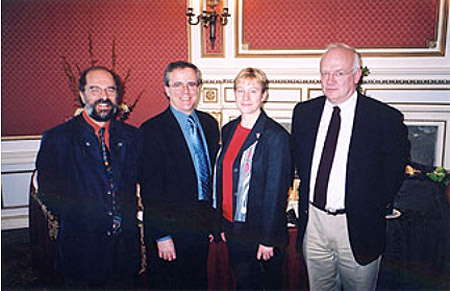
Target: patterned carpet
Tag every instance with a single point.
(17, 273)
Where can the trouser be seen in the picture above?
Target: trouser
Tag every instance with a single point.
(115, 272)
(188, 271)
(251, 274)
(329, 257)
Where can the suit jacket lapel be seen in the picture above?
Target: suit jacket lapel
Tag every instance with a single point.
(256, 132)
(358, 139)
(314, 118)
(174, 134)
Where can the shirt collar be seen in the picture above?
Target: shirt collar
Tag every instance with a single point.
(94, 125)
(182, 117)
(347, 104)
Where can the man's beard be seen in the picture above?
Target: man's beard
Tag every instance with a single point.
(102, 115)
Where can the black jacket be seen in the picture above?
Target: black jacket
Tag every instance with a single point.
(271, 177)
(73, 185)
(378, 153)
(167, 175)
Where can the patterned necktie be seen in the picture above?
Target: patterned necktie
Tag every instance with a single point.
(112, 193)
(200, 159)
(326, 161)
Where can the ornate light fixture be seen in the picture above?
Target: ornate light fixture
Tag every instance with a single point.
(209, 17)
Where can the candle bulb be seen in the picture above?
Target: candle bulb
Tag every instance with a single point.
(226, 4)
(204, 5)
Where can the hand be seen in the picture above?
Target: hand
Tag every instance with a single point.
(223, 237)
(264, 253)
(166, 250)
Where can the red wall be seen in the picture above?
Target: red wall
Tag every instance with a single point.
(36, 33)
(293, 24)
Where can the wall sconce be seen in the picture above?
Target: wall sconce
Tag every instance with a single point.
(209, 17)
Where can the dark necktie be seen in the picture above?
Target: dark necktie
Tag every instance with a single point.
(329, 149)
(112, 193)
(200, 159)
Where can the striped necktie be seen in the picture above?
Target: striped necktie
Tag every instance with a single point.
(200, 159)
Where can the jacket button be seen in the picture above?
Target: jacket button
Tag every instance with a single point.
(109, 192)
(235, 170)
(109, 213)
(88, 144)
(108, 233)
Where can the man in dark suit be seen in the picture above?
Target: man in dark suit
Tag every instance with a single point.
(179, 148)
(350, 153)
(93, 199)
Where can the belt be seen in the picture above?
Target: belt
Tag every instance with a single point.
(330, 211)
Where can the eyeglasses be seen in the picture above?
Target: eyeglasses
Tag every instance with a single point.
(97, 91)
(337, 74)
(179, 86)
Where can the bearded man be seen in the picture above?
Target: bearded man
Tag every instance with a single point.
(87, 178)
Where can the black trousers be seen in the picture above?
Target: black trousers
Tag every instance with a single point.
(116, 272)
(188, 271)
(250, 273)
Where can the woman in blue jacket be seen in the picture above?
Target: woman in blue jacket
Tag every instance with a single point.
(253, 175)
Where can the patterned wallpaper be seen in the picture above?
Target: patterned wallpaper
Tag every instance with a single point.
(294, 24)
(36, 33)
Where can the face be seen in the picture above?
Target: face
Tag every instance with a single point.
(249, 96)
(339, 76)
(183, 90)
(100, 95)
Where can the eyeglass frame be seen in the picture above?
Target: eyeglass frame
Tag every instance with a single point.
(109, 94)
(180, 86)
(337, 74)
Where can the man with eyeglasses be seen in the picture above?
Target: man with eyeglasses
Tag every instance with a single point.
(87, 176)
(350, 153)
(179, 149)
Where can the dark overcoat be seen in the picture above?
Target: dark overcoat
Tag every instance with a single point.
(73, 185)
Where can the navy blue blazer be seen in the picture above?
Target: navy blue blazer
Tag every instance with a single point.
(271, 177)
(73, 185)
(378, 154)
(168, 179)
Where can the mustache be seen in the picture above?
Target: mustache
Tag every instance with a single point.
(105, 102)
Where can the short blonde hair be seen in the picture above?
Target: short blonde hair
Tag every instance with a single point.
(253, 74)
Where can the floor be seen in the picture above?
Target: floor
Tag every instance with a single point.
(17, 273)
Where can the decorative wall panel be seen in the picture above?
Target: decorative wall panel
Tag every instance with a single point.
(35, 34)
(303, 27)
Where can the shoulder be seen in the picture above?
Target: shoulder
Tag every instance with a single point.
(275, 127)
(206, 117)
(230, 126)
(156, 121)
(62, 130)
(379, 107)
(274, 130)
(309, 104)
(126, 129)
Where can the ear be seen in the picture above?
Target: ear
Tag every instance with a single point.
(265, 95)
(166, 90)
(82, 98)
(357, 76)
